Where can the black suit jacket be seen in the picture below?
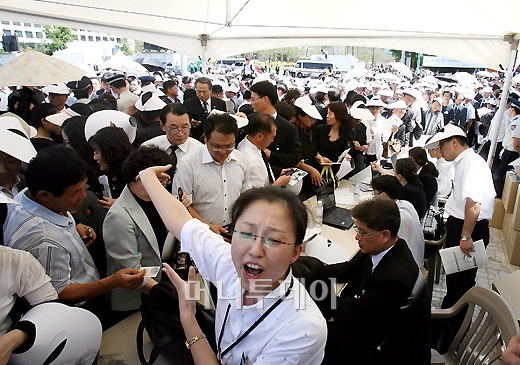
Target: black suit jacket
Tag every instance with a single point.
(374, 310)
(196, 111)
(286, 149)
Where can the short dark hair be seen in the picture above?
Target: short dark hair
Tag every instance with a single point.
(144, 157)
(246, 108)
(169, 84)
(187, 79)
(54, 169)
(114, 146)
(408, 168)
(259, 122)
(100, 104)
(204, 80)
(285, 110)
(265, 88)
(221, 123)
(291, 95)
(320, 96)
(173, 108)
(378, 213)
(118, 84)
(387, 184)
(40, 111)
(273, 194)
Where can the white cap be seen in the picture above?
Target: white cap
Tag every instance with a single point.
(399, 104)
(105, 118)
(375, 101)
(385, 92)
(61, 117)
(450, 130)
(152, 88)
(361, 113)
(14, 141)
(153, 103)
(59, 88)
(416, 94)
(305, 104)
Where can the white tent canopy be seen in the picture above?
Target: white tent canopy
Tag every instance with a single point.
(466, 30)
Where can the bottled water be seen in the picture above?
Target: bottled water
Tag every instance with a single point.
(319, 214)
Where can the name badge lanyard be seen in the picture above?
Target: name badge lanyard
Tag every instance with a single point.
(253, 326)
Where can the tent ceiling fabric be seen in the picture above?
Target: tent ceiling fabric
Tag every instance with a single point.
(474, 31)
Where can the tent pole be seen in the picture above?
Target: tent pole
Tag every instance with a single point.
(513, 40)
(204, 43)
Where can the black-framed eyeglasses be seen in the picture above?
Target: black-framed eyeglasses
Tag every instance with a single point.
(178, 129)
(266, 241)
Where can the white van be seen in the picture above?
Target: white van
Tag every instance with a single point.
(304, 68)
(228, 64)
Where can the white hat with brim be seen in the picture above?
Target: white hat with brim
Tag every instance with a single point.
(152, 88)
(4, 199)
(385, 92)
(491, 101)
(14, 141)
(450, 130)
(305, 104)
(361, 113)
(376, 102)
(107, 118)
(399, 104)
(231, 88)
(152, 104)
(59, 88)
(416, 94)
(487, 89)
(60, 118)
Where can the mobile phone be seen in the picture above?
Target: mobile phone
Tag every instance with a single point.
(89, 234)
(180, 193)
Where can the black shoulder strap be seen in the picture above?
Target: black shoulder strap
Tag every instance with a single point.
(156, 351)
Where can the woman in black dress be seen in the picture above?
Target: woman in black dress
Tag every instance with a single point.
(333, 138)
(413, 189)
(427, 174)
(306, 114)
(111, 148)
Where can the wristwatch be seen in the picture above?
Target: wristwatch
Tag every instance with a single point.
(464, 238)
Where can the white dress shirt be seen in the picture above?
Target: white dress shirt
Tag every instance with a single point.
(473, 180)
(162, 142)
(295, 332)
(411, 230)
(257, 169)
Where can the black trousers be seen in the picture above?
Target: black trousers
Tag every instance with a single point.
(457, 284)
(499, 173)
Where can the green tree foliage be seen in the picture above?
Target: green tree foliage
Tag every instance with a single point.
(56, 39)
(125, 48)
(413, 57)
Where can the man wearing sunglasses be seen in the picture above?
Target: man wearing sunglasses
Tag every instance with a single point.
(383, 313)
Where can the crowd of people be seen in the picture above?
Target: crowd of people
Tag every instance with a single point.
(107, 176)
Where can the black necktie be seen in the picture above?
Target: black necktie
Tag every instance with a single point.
(205, 108)
(264, 157)
(173, 149)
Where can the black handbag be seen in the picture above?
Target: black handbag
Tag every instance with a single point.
(161, 319)
(433, 224)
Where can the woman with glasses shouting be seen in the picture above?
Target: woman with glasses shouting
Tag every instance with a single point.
(263, 313)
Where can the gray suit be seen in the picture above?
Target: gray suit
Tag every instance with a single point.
(130, 242)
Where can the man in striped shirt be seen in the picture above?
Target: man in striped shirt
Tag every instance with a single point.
(42, 225)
